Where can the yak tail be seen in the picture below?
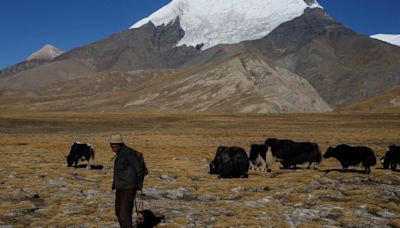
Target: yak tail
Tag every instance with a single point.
(92, 153)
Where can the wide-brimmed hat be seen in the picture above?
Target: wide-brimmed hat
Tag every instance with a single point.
(116, 138)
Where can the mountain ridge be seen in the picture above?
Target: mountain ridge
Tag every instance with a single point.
(340, 64)
(42, 56)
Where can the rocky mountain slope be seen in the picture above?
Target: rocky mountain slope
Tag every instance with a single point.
(242, 84)
(342, 66)
(148, 47)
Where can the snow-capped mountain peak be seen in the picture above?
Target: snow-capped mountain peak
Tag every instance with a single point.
(388, 38)
(213, 22)
(47, 52)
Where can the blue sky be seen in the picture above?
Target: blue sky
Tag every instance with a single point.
(27, 25)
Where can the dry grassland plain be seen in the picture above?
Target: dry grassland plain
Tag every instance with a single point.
(38, 190)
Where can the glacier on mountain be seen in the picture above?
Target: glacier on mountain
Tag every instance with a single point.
(388, 38)
(213, 22)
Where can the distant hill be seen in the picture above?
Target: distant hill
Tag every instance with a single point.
(389, 101)
(44, 55)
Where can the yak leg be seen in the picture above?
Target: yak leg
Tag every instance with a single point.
(367, 169)
(88, 163)
(262, 162)
(76, 163)
(252, 166)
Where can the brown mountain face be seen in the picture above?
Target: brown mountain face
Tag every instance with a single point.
(51, 73)
(242, 84)
(22, 66)
(341, 65)
(147, 47)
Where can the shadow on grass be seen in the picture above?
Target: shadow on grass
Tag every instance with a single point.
(355, 170)
(395, 170)
(84, 166)
(291, 168)
(342, 171)
(298, 168)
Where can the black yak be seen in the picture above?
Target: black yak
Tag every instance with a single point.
(391, 158)
(291, 153)
(352, 156)
(230, 162)
(80, 151)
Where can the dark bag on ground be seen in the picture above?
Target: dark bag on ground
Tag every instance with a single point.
(147, 219)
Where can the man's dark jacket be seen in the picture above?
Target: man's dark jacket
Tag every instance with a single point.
(128, 171)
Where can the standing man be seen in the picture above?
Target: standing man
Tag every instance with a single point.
(128, 178)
